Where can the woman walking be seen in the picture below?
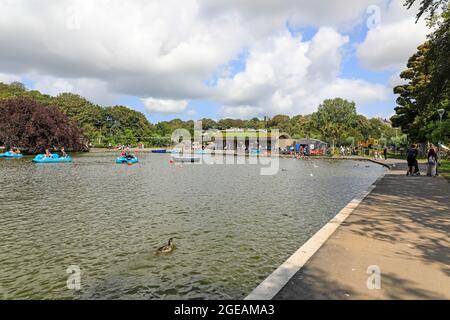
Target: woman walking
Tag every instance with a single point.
(432, 162)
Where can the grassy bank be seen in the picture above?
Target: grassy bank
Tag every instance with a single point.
(444, 169)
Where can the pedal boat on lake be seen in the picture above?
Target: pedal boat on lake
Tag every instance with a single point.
(10, 155)
(127, 160)
(185, 159)
(55, 158)
(160, 151)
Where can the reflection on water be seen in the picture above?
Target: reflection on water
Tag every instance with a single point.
(232, 226)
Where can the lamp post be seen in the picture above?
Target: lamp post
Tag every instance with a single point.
(441, 113)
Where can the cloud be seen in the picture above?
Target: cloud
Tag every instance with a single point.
(165, 52)
(266, 15)
(8, 78)
(165, 105)
(395, 80)
(163, 49)
(240, 112)
(53, 86)
(144, 48)
(92, 89)
(191, 112)
(394, 40)
(286, 75)
(359, 91)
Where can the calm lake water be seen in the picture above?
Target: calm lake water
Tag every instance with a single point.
(232, 226)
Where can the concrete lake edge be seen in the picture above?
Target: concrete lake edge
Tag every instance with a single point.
(277, 280)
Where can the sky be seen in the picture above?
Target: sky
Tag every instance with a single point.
(193, 59)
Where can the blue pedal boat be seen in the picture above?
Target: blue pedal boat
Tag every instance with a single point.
(127, 160)
(11, 155)
(55, 158)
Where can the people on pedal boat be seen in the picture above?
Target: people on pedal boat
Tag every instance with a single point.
(48, 153)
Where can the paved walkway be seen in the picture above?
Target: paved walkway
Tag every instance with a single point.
(402, 226)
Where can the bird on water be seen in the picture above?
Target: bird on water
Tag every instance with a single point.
(166, 248)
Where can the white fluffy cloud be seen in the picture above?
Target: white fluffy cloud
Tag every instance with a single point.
(264, 16)
(92, 89)
(285, 75)
(8, 78)
(165, 105)
(241, 112)
(394, 40)
(165, 52)
(141, 47)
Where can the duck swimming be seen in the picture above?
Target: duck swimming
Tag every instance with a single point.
(167, 248)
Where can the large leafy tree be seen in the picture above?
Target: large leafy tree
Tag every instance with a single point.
(301, 127)
(120, 118)
(280, 121)
(438, 59)
(80, 109)
(414, 101)
(430, 7)
(427, 86)
(334, 118)
(30, 125)
(101, 125)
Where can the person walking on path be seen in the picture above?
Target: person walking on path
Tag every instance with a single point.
(432, 163)
(411, 157)
(385, 153)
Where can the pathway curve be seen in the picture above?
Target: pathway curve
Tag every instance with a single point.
(402, 227)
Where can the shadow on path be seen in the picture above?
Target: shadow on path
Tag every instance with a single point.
(403, 226)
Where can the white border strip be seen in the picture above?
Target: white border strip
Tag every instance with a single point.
(281, 276)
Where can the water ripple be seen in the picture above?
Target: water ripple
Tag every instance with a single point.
(232, 227)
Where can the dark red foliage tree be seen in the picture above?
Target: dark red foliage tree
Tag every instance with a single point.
(31, 126)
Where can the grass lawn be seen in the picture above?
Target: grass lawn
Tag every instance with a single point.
(444, 169)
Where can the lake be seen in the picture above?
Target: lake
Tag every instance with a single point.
(232, 226)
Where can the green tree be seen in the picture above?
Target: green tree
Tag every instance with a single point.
(208, 124)
(129, 137)
(280, 122)
(414, 102)
(427, 87)
(429, 7)
(334, 119)
(28, 124)
(301, 127)
(163, 129)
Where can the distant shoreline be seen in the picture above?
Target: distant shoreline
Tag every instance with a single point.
(232, 153)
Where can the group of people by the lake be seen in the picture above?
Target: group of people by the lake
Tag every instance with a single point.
(378, 155)
(48, 154)
(346, 151)
(15, 151)
(303, 152)
(413, 164)
(126, 153)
